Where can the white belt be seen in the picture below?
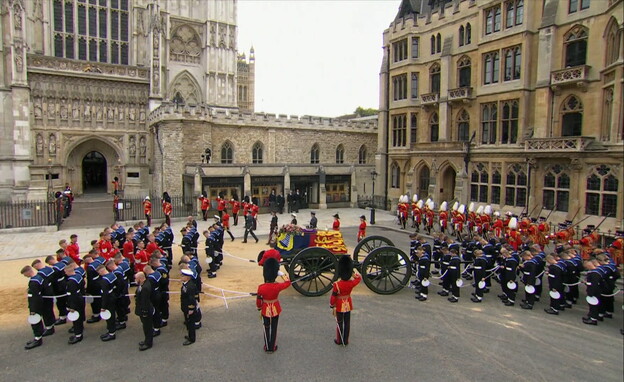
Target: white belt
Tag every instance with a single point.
(453, 267)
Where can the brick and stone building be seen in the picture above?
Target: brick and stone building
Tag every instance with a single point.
(512, 103)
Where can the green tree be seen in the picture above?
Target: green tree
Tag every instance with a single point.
(365, 112)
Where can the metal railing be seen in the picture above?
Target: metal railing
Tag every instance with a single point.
(31, 214)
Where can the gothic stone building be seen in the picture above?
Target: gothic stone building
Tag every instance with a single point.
(512, 103)
(139, 89)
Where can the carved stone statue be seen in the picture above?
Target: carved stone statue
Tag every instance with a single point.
(38, 111)
(39, 145)
(52, 145)
(132, 147)
(143, 147)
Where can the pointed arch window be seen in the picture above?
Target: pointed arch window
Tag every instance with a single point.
(340, 154)
(434, 127)
(434, 78)
(601, 196)
(362, 153)
(576, 46)
(468, 38)
(438, 43)
(516, 186)
(612, 52)
(227, 153)
(556, 191)
(257, 153)
(463, 126)
(395, 174)
(572, 117)
(464, 69)
(462, 34)
(315, 154)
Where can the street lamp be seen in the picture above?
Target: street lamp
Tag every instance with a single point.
(372, 214)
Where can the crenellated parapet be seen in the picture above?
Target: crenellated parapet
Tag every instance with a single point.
(171, 111)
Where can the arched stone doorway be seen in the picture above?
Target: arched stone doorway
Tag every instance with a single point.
(94, 173)
(447, 186)
(92, 164)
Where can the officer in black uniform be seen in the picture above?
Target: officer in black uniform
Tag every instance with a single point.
(188, 304)
(144, 309)
(35, 303)
(75, 301)
(249, 224)
(313, 220)
(108, 283)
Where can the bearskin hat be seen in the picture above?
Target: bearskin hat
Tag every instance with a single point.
(270, 269)
(345, 267)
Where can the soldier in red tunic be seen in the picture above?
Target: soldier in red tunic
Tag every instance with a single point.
(362, 229)
(205, 205)
(498, 225)
(336, 224)
(167, 207)
(268, 304)
(443, 216)
(340, 300)
(147, 210)
(616, 248)
(220, 205)
(235, 208)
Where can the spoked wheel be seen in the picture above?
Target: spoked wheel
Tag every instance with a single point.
(386, 270)
(315, 270)
(366, 245)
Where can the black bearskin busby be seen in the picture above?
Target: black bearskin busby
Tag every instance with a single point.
(345, 267)
(270, 269)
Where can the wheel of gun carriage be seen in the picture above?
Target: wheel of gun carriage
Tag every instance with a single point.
(386, 270)
(315, 270)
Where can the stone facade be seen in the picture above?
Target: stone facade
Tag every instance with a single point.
(246, 82)
(517, 104)
(253, 154)
(80, 77)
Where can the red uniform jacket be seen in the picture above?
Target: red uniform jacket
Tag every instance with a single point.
(205, 203)
(245, 209)
(225, 220)
(443, 219)
(274, 253)
(267, 300)
(336, 225)
(361, 231)
(235, 206)
(140, 260)
(498, 228)
(147, 207)
(106, 249)
(128, 251)
(254, 210)
(151, 247)
(73, 251)
(220, 204)
(341, 294)
(167, 208)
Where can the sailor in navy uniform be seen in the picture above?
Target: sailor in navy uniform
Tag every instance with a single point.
(508, 275)
(479, 268)
(437, 254)
(444, 261)
(75, 302)
(153, 277)
(48, 296)
(555, 283)
(188, 305)
(423, 273)
(454, 270)
(35, 303)
(58, 286)
(529, 273)
(611, 274)
(595, 286)
(122, 301)
(108, 283)
(163, 285)
(93, 288)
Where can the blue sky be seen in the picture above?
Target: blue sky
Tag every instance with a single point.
(317, 57)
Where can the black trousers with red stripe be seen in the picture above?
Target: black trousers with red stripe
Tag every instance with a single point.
(343, 321)
(270, 332)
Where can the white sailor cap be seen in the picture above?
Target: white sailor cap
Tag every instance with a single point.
(186, 272)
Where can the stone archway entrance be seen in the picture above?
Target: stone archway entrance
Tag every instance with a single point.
(94, 173)
(91, 166)
(447, 186)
